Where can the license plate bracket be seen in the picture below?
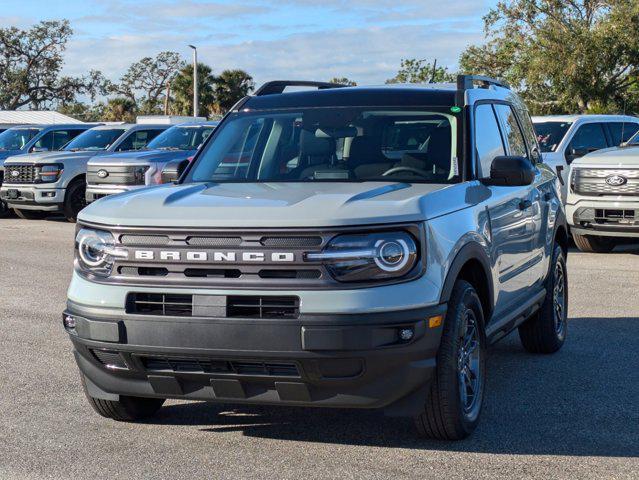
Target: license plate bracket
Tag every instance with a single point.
(13, 194)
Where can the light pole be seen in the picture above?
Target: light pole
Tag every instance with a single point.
(195, 105)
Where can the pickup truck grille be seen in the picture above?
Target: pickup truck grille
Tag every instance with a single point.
(20, 173)
(594, 181)
(218, 366)
(116, 174)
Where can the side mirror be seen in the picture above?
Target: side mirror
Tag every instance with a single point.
(575, 153)
(511, 171)
(39, 149)
(172, 170)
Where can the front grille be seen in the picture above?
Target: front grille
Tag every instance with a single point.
(160, 304)
(592, 181)
(234, 306)
(21, 173)
(615, 216)
(110, 359)
(254, 306)
(144, 240)
(116, 174)
(218, 366)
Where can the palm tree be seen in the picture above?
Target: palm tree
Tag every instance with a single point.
(230, 86)
(182, 90)
(120, 109)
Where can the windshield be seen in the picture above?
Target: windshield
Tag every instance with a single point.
(333, 144)
(180, 138)
(550, 134)
(17, 138)
(94, 139)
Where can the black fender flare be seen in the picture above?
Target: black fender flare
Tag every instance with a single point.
(470, 251)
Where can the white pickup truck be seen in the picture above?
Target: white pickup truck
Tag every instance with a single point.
(564, 138)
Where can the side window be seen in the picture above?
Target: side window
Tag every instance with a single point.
(621, 132)
(45, 142)
(589, 136)
(138, 140)
(488, 142)
(512, 133)
(529, 133)
(61, 138)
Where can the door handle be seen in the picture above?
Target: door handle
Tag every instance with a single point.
(525, 204)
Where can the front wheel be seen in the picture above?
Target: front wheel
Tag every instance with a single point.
(127, 409)
(591, 244)
(454, 402)
(74, 200)
(545, 331)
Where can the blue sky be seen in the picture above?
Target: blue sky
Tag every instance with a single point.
(361, 39)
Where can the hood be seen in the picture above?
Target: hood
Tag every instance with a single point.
(51, 157)
(613, 157)
(4, 154)
(143, 157)
(260, 205)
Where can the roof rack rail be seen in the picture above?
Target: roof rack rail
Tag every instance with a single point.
(467, 82)
(278, 86)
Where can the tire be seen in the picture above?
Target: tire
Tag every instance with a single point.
(448, 413)
(127, 409)
(593, 244)
(5, 211)
(30, 214)
(74, 200)
(545, 331)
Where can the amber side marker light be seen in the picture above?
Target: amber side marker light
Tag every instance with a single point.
(434, 322)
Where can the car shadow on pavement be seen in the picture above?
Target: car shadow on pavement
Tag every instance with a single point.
(581, 401)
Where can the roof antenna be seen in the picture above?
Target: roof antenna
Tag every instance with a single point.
(432, 75)
(623, 122)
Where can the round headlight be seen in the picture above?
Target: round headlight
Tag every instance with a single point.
(93, 247)
(392, 255)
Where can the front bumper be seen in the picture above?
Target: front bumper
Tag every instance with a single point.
(46, 197)
(604, 216)
(95, 192)
(324, 360)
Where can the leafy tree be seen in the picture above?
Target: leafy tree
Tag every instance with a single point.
(82, 111)
(145, 82)
(231, 86)
(563, 55)
(343, 81)
(30, 64)
(120, 109)
(421, 71)
(182, 90)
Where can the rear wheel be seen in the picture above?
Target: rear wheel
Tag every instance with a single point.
(454, 402)
(127, 409)
(591, 244)
(545, 331)
(74, 200)
(30, 214)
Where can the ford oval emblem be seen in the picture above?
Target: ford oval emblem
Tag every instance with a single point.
(102, 173)
(15, 173)
(616, 180)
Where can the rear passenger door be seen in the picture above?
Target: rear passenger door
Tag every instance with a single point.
(508, 210)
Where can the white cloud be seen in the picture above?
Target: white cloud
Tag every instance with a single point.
(367, 55)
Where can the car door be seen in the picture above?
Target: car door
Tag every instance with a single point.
(588, 137)
(508, 208)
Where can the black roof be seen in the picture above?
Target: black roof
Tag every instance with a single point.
(383, 96)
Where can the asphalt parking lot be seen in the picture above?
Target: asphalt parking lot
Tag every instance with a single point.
(574, 414)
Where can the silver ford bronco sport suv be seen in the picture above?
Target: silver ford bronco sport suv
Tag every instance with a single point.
(342, 247)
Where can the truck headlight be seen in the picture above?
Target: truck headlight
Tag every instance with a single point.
(49, 173)
(139, 175)
(379, 256)
(96, 251)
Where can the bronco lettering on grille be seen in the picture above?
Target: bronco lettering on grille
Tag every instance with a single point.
(222, 257)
